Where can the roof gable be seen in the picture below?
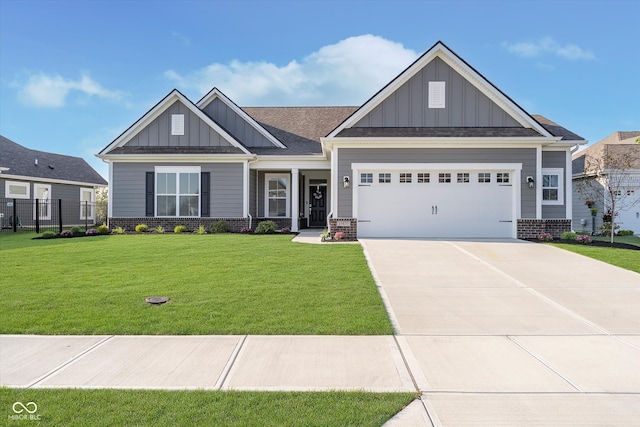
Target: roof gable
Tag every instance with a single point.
(470, 99)
(145, 135)
(19, 161)
(224, 111)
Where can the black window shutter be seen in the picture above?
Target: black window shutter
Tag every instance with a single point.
(149, 194)
(205, 184)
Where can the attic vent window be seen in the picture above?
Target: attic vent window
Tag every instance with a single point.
(177, 124)
(436, 94)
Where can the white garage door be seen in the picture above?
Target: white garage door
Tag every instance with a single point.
(435, 203)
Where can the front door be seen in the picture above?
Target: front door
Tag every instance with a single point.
(318, 210)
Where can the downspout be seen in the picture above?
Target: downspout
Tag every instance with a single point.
(249, 177)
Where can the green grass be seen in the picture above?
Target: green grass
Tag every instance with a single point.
(76, 407)
(218, 284)
(625, 258)
(631, 240)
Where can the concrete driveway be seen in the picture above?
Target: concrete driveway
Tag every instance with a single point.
(512, 333)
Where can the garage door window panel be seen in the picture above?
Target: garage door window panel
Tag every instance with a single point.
(462, 178)
(405, 178)
(366, 178)
(484, 177)
(444, 178)
(423, 178)
(384, 178)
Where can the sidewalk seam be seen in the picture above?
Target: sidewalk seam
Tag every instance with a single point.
(226, 371)
(69, 362)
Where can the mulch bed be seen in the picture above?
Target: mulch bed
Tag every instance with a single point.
(594, 243)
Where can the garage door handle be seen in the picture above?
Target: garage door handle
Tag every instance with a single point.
(434, 210)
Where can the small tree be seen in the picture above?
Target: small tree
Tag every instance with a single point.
(608, 176)
(102, 203)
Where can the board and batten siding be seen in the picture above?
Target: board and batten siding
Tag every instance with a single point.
(556, 159)
(465, 105)
(128, 188)
(197, 133)
(525, 156)
(235, 125)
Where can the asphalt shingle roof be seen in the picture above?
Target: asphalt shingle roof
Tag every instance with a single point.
(21, 161)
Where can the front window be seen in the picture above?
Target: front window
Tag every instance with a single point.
(87, 203)
(552, 193)
(277, 196)
(42, 192)
(16, 190)
(178, 191)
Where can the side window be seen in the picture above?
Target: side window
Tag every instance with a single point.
(552, 186)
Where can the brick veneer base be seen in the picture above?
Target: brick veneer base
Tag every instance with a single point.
(531, 228)
(350, 231)
(129, 224)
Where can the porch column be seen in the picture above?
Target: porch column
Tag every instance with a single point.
(295, 199)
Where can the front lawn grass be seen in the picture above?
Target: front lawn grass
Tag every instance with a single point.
(625, 258)
(631, 240)
(77, 407)
(218, 284)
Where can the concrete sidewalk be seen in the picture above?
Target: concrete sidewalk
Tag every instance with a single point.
(289, 363)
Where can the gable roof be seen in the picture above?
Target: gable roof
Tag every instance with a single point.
(440, 50)
(621, 143)
(154, 112)
(215, 93)
(19, 161)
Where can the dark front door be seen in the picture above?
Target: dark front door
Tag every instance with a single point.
(318, 214)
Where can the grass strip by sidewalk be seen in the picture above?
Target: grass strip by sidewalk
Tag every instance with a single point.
(218, 284)
(78, 407)
(625, 258)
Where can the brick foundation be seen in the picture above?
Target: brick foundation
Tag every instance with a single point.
(129, 224)
(531, 228)
(349, 226)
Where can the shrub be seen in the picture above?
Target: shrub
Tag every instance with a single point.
(605, 228)
(325, 235)
(339, 235)
(118, 230)
(220, 226)
(180, 229)
(625, 233)
(545, 237)
(159, 229)
(76, 230)
(246, 230)
(201, 230)
(266, 227)
(142, 228)
(584, 239)
(48, 235)
(103, 229)
(91, 232)
(569, 235)
(66, 233)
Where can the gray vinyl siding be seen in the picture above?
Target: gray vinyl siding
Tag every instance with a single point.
(465, 105)
(556, 159)
(525, 156)
(197, 133)
(128, 188)
(581, 210)
(2, 185)
(236, 125)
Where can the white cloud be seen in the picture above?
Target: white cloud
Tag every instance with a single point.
(347, 72)
(548, 45)
(52, 91)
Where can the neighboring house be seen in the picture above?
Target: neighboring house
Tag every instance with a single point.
(438, 152)
(27, 175)
(600, 158)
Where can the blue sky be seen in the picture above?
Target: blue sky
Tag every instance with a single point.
(75, 74)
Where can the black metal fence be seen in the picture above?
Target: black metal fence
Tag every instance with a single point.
(54, 215)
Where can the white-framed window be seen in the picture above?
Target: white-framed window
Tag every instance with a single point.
(384, 178)
(405, 177)
(484, 177)
(462, 177)
(366, 178)
(42, 193)
(87, 203)
(552, 186)
(17, 190)
(502, 177)
(178, 191)
(177, 124)
(277, 196)
(423, 177)
(444, 177)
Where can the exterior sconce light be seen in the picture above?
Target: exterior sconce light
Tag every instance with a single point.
(530, 181)
(346, 182)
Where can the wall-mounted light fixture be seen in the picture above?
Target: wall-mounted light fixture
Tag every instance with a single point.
(346, 182)
(530, 181)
